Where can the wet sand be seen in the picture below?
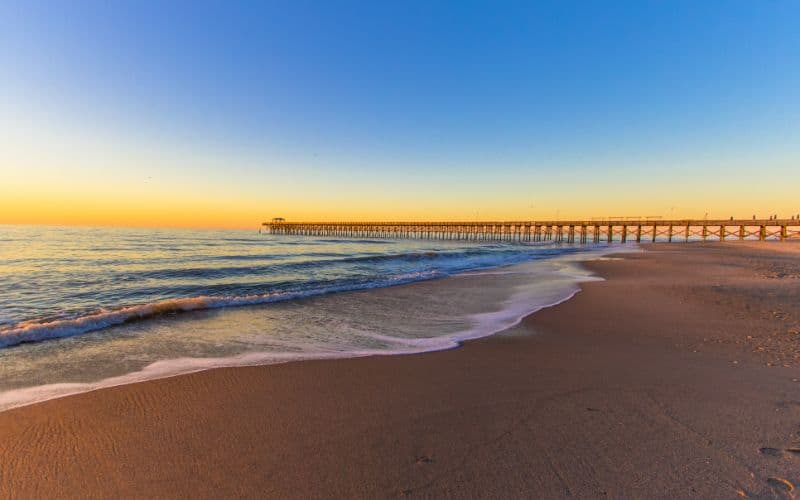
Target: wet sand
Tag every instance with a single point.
(676, 377)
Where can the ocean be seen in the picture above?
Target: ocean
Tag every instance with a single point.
(84, 308)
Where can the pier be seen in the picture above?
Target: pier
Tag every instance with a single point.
(556, 231)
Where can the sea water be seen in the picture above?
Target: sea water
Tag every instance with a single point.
(83, 308)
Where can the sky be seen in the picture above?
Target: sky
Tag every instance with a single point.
(225, 114)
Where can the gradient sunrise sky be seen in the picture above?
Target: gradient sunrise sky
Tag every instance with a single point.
(226, 114)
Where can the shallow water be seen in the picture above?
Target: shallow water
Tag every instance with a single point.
(88, 308)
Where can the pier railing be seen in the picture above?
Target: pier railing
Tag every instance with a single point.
(574, 231)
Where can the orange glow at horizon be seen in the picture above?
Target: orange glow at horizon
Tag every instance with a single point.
(83, 181)
(109, 210)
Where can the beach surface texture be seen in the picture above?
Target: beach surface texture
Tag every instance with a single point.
(677, 376)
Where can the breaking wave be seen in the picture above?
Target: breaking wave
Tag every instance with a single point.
(36, 331)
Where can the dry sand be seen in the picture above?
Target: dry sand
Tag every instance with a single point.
(667, 380)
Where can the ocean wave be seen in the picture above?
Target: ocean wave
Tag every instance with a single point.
(268, 256)
(564, 277)
(37, 331)
(320, 260)
(377, 241)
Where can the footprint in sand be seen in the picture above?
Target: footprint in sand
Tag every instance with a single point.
(780, 484)
(770, 452)
(775, 452)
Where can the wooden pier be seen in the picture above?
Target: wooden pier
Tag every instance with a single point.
(570, 232)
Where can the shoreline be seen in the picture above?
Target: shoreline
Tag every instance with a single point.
(609, 393)
(570, 265)
(33, 330)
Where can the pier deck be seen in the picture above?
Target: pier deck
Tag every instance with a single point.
(557, 231)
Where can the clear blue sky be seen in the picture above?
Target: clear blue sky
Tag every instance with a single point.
(428, 109)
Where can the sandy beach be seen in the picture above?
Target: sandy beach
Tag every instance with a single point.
(678, 376)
